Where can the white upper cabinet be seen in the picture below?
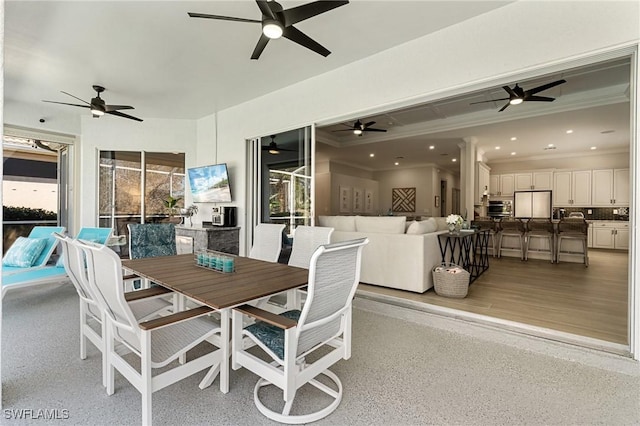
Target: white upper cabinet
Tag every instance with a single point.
(538, 181)
(610, 187)
(572, 188)
(502, 185)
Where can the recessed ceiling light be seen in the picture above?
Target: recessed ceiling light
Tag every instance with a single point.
(372, 155)
(497, 147)
(396, 163)
(454, 160)
(593, 147)
(514, 138)
(569, 131)
(550, 145)
(513, 153)
(432, 147)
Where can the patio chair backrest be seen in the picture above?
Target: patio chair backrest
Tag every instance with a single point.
(334, 273)
(95, 235)
(151, 240)
(267, 242)
(306, 239)
(104, 270)
(52, 242)
(75, 267)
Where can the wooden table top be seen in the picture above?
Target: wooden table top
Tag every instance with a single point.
(253, 279)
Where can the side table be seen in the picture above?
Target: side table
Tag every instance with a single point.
(469, 250)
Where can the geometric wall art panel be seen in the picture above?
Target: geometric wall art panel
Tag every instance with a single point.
(403, 200)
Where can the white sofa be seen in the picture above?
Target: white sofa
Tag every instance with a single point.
(400, 254)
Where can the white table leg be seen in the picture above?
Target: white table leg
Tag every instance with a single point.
(226, 351)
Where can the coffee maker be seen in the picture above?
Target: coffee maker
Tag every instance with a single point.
(223, 216)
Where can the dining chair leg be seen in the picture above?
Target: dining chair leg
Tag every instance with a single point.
(109, 348)
(83, 336)
(146, 386)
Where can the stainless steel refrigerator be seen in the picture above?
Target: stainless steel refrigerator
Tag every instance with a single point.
(532, 204)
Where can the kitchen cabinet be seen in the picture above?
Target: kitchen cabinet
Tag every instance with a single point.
(572, 188)
(502, 185)
(611, 235)
(538, 181)
(482, 181)
(610, 187)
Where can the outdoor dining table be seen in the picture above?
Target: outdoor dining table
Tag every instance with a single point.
(251, 280)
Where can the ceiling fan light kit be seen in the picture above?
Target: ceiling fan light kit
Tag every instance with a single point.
(98, 107)
(517, 95)
(277, 22)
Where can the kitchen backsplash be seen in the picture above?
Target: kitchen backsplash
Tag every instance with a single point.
(597, 213)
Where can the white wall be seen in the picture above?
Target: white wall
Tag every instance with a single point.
(420, 178)
(152, 135)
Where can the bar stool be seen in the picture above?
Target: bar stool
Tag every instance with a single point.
(540, 228)
(573, 229)
(484, 223)
(511, 228)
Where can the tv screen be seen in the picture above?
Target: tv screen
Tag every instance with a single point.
(210, 184)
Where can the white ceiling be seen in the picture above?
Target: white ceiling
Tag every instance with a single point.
(593, 103)
(151, 55)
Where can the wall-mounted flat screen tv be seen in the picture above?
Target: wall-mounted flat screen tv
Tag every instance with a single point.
(210, 184)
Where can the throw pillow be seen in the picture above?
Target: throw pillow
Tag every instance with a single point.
(24, 251)
(423, 227)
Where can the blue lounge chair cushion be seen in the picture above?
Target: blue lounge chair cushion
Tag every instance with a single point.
(35, 276)
(270, 335)
(46, 232)
(24, 252)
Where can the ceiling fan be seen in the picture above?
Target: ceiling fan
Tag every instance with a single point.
(98, 107)
(277, 22)
(517, 95)
(273, 147)
(359, 128)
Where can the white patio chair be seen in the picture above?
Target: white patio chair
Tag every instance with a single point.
(288, 338)
(144, 304)
(267, 242)
(158, 343)
(306, 239)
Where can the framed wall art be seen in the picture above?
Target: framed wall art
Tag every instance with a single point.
(358, 200)
(403, 200)
(345, 199)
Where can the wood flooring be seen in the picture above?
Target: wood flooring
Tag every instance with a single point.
(567, 297)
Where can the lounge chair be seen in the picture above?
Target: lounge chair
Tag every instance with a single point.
(45, 255)
(17, 277)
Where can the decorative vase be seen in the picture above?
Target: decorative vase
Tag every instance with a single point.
(457, 228)
(452, 228)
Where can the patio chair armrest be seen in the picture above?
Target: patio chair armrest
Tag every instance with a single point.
(131, 296)
(266, 316)
(173, 318)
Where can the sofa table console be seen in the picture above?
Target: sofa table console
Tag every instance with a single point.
(469, 250)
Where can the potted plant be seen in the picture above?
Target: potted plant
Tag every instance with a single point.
(170, 203)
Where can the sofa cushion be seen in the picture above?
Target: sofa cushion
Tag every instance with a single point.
(338, 223)
(381, 224)
(423, 227)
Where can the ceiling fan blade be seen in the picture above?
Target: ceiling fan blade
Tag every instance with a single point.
(265, 9)
(75, 97)
(504, 107)
(510, 91)
(262, 43)
(373, 130)
(123, 115)
(309, 10)
(495, 100)
(302, 39)
(371, 123)
(223, 18)
(539, 98)
(544, 87)
(344, 130)
(109, 108)
(65, 103)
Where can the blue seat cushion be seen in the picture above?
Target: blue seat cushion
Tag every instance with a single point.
(24, 252)
(270, 335)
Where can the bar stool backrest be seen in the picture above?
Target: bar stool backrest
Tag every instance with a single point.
(573, 226)
(511, 225)
(486, 223)
(540, 225)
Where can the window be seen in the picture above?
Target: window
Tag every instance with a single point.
(127, 195)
